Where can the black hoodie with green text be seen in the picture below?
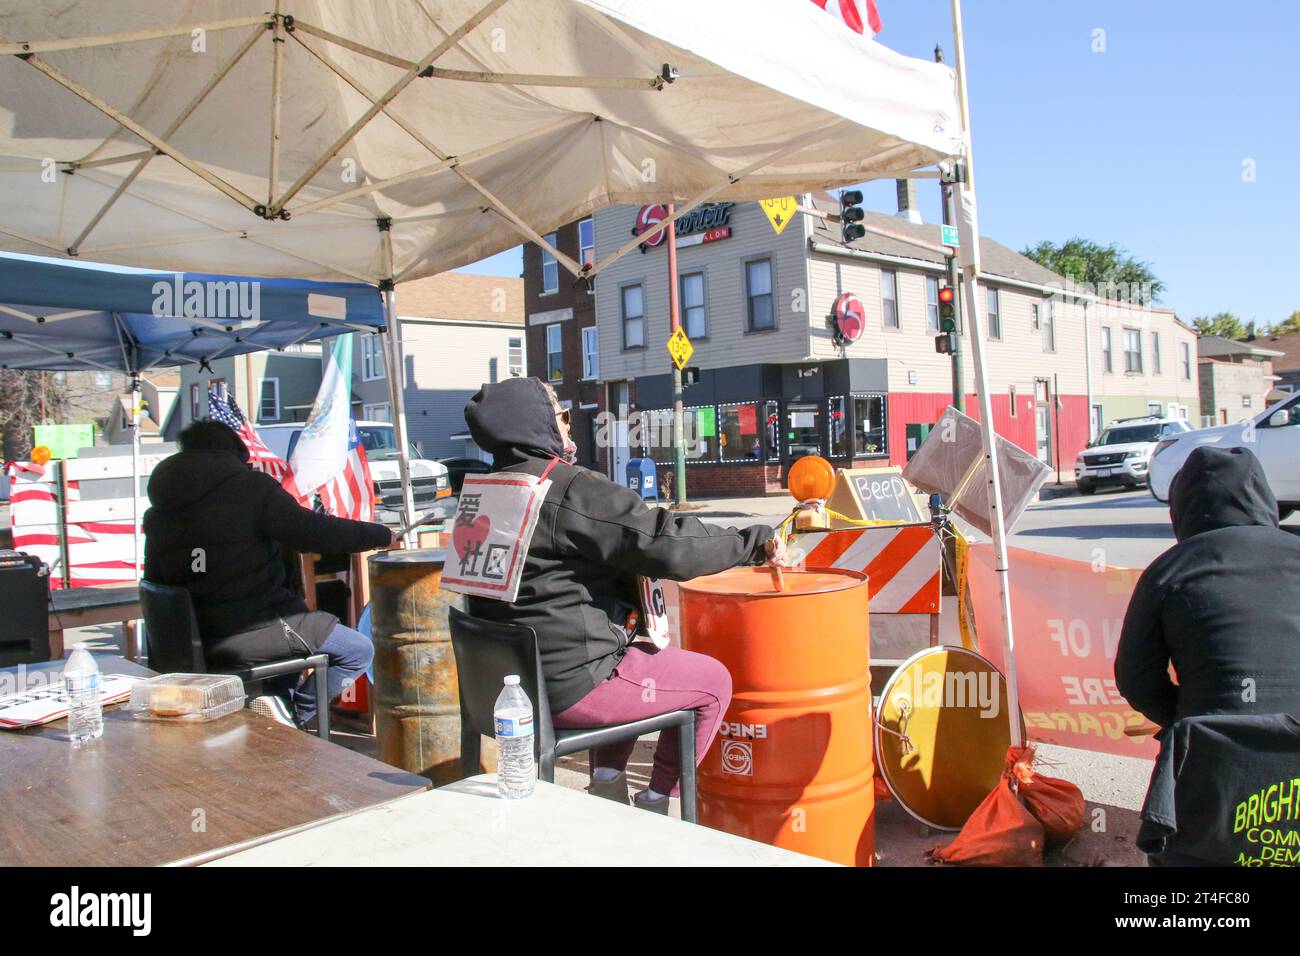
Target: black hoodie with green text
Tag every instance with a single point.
(1222, 605)
(593, 538)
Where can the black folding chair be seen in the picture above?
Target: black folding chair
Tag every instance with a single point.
(175, 647)
(487, 651)
(25, 597)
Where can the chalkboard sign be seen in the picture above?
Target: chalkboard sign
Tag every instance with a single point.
(874, 494)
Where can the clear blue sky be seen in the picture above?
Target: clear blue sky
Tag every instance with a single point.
(1142, 144)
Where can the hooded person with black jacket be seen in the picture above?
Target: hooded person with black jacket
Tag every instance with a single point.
(216, 528)
(1222, 605)
(578, 587)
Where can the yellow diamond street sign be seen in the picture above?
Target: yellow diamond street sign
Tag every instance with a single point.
(779, 211)
(680, 348)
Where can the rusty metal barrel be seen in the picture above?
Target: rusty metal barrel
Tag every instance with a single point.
(416, 699)
(792, 765)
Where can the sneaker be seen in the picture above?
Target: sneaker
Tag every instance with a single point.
(615, 789)
(644, 801)
(274, 707)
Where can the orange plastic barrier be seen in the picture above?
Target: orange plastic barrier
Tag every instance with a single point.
(1067, 618)
(793, 764)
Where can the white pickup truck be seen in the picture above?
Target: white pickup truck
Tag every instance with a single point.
(430, 482)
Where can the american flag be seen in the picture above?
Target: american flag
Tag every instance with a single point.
(222, 408)
(351, 493)
(860, 16)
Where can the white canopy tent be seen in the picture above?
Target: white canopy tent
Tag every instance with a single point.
(393, 139)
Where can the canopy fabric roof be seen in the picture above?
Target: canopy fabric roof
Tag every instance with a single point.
(66, 316)
(413, 136)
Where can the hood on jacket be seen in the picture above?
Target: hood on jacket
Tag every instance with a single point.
(514, 418)
(187, 476)
(1220, 488)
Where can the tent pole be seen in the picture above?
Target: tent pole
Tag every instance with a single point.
(970, 254)
(135, 474)
(393, 357)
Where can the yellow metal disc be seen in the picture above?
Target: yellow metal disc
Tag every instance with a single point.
(942, 734)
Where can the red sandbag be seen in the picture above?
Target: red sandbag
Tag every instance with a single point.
(1001, 832)
(1055, 803)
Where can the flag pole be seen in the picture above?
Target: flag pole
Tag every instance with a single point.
(969, 251)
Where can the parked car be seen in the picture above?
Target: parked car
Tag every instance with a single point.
(1122, 453)
(1273, 435)
(430, 481)
(458, 468)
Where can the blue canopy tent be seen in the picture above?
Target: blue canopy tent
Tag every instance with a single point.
(70, 316)
(63, 316)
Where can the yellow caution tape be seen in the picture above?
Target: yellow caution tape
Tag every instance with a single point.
(963, 588)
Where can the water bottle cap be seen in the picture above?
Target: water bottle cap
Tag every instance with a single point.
(80, 647)
(512, 680)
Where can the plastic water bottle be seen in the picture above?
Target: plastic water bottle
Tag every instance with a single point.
(513, 715)
(81, 684)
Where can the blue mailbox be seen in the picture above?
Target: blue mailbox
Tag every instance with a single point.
(642, 478)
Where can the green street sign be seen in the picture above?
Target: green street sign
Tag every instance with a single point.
(950, 236)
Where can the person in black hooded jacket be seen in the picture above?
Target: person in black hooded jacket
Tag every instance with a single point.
(1222, 605)
(215, 527)
(578, 587)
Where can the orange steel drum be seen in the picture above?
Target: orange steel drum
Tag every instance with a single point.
(792, 765)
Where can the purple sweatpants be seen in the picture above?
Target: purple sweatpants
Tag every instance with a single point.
(647, 683)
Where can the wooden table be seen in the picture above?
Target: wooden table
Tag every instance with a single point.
(469, 824)
(85, 607)
(150, 793)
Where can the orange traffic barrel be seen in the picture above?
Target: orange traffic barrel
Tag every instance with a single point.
(792, 765)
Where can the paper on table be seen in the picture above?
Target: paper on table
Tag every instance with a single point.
(46, 703)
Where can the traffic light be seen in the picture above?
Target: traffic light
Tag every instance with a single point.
(851, 216)
(946, 343)
(947, 309)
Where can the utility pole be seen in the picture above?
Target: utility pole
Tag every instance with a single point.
(674, 323)
(949, 211)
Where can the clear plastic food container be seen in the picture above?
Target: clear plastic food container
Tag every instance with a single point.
(189, 697)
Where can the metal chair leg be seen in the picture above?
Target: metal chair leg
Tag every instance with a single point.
(686, 735)
(546, 767)
(321, 676)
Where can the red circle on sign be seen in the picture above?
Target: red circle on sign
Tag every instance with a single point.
(850, 317)
(648, 217)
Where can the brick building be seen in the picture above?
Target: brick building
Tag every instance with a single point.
(561, 335)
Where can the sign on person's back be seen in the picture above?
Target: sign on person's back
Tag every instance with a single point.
(494, 524)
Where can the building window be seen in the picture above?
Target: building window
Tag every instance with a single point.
(837, 426)
(1036, 322)
(1155, 353)
(550, 269)
(699, 434)
(586, 243)
(103, 379)
(695, 319)
(1187, 360)
(218, 385)
(1154, 409)
(932, 303)
(372, 358)
(633, 317)
(555, 352)
(1132, 351)
(889, 298)
(992, 314)
(515, 356)
(869, 425)
(381, 412)
(772, 433)
(1048, 326)
(1107, 356)
(739, 436)
(758, 290)
(803, 433)
(590, 353)
(194, 403)
(269, 409)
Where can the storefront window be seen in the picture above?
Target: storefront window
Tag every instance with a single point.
(839, 426)
(773, 431)
(869, 425)
(700, 434)
(803, 433)
(739, 436)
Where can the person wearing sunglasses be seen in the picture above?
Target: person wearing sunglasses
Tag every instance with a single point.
(578, 590)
